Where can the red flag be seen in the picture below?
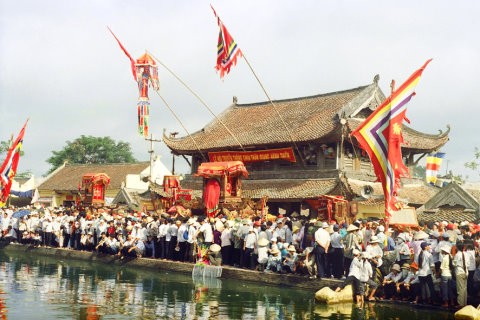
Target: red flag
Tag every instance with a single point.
(9, 166)
(227, 49)
(380, 135)
(128, 54)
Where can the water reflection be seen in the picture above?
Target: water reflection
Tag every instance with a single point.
(45, 288)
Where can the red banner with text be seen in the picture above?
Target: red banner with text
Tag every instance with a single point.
(253, 156)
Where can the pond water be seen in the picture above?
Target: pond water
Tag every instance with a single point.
(36, 287)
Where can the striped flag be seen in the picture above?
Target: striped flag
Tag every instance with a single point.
(9, 167)
(434, 161)
(380, 135)
(227, 49)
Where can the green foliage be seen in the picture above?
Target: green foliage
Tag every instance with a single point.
(475, 163)
(4, 146)
(88, 150)
(419, 171)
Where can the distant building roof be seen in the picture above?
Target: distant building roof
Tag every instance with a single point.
(69, 177)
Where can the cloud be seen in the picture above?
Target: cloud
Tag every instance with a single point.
(60, 66)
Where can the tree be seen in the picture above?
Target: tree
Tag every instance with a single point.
(88, 149)
(475, 163)
(419, 171)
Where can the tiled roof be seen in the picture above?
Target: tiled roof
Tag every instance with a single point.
(69, 177)
(309, 118)
(277, 189)
(312, 118)
(414, 139)
(448, 213)
(288, 188)
(414, 193)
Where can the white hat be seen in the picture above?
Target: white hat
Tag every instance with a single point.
(325, 225)
(291, 248)
(374, 239)
(381, 228)
(396, 267)
(275, 250)
(420, 235)
(352, 227)
(262, 242)
(355, 252)
(215, 247)
(446, 249)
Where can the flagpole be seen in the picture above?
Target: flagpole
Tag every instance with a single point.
(184, 128)
(274, 107)
(199, 98)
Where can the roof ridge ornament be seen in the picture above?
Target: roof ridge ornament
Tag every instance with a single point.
(376, 79)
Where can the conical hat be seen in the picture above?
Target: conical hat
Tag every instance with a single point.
(263, 242)
(420, 235)
(352, 227)
(215, 247)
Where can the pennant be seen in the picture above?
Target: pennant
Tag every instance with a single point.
(380, 135)
(227, 49)
(9, 167)
(434, 161)
(132, 62)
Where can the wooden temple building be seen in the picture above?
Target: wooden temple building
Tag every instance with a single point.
(301, 167)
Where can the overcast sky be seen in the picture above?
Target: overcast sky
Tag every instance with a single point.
(60, 67)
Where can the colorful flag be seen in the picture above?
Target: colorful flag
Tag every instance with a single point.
(132, 62)
(9, 166)
(380, 135)
(227, 49)
(434, 161)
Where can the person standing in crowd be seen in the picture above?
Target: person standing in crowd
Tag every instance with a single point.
(351, 243)
(322, 243)
(376, 256)
(461, 263)
(446, 272)
(226, 244)
(182, 238)
(336, 256)
(426, 267)
(402, 251)
(162, 238)
(206, 230)
(249, 249)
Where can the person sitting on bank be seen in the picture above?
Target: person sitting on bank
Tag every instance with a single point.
(274, 261)
(354, 275)
(102, 243)
(126, 246)
(366, 278)
(390, 282)
(290, 260)
(138, 248)
(214, 255)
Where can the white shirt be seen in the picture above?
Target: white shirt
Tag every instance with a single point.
(376, 253)
(426, 268)
(322, 237)
(356, 268)
(366, 271)
(206, 228)
(226, 237)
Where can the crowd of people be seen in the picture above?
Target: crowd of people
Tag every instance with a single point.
(432, 263)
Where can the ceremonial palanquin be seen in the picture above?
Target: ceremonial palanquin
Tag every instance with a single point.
(93, 188)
